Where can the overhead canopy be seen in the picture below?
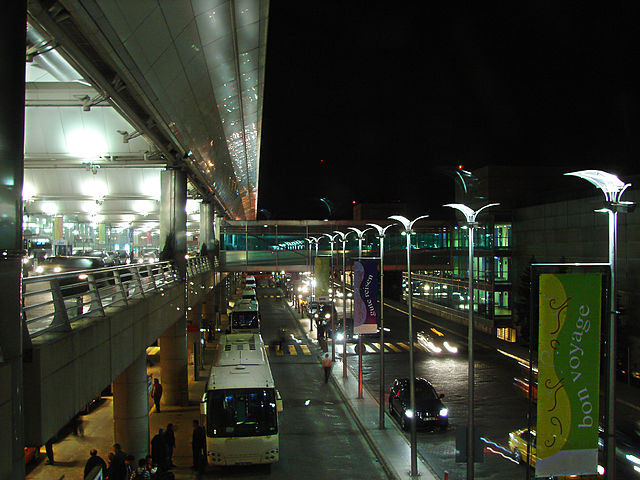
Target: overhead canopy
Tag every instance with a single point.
(117, 91)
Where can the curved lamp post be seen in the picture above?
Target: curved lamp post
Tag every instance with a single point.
(613, 188)
(381, 234)
(343, 238)
(470, 216)
(408, 229)
(360, 236)
(332, 240)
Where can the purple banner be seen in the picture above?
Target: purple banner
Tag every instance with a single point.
(366, 288)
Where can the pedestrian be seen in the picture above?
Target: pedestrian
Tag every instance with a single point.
(141, 473)
(156, 393)
(169, 435)
(326, 366)
(118, 464)
(48, 446)
(160, 450)
(78, 427)
(94, 461)
(198, 445)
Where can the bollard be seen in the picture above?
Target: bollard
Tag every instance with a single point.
(446, 475)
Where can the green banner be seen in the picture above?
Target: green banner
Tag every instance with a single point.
(568, 374)
(322, 270)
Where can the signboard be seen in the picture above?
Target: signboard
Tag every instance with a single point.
(570, 309)
(322, 269)
(58, 231)
(366, 291)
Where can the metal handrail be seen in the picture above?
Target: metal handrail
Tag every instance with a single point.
(54, 302)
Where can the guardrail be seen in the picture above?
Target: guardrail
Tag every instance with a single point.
(54, 302)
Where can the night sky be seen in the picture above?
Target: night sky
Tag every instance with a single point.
(373, 102)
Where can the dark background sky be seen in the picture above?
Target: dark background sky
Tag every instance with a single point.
(368, 102)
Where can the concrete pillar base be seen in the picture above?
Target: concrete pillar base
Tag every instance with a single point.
(173, 364)
(131, 409)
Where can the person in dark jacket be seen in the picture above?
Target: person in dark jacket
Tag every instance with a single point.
(170, 437)
(198, 445)
(160, 451)
(94, 461)
(118, 465)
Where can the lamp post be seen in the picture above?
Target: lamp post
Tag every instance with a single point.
(332, 240)
(470, 217)
(408, 229)
(381, 233)
(343, 238)
(360, 236)
(613, 188)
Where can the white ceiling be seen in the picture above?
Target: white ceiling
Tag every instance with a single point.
(198, 69)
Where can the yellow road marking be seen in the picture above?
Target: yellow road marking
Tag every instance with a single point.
(292, 350)
(305, 350)
(393, 347)
(404, 345)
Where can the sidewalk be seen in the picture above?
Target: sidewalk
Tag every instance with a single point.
(390, 445)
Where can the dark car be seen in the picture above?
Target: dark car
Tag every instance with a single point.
(430, 412)
(71, 285)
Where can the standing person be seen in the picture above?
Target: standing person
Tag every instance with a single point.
(160, 450)
(94, 461)
(48, 446)
(170, 437)
(156, 393)
(118, 465)
(326, 366)
(198, 445)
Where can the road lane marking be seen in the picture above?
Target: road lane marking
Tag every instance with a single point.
(292, 350)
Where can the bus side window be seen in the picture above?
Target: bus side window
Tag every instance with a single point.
(279, 404)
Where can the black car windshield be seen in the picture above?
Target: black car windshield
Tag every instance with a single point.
(241, 412)
(426, 391)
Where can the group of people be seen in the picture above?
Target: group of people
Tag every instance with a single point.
(120, 466)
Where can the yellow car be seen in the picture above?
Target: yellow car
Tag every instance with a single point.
(522, 440)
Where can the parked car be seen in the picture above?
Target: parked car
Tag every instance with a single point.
(430, 412)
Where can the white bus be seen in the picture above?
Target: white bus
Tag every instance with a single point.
(245, 317)
(241, 404)
(249, 293)
(250, 281)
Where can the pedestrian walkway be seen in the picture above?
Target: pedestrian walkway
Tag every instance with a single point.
(390, 445)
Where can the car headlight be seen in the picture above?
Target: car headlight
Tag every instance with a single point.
(408, 413)
(444, 412)
(327, 315)
(39, 269)
(450, 348)
(83, 276)
(57, 269)
(340, 337)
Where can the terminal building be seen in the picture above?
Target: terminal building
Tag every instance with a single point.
(142, 135)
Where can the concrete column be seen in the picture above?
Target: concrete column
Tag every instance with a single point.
(173, 364)
(12, 48)
(131, 409)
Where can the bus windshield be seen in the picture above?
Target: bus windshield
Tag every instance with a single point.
(244, 320)
(246, 412)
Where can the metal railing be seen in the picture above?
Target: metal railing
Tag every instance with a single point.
(54, 302)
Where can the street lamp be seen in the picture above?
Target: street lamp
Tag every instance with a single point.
(381, 233)
(470, 217)
(343, 238)
(408, 229)
(613, 188)
(360, 236)
(332, 240)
